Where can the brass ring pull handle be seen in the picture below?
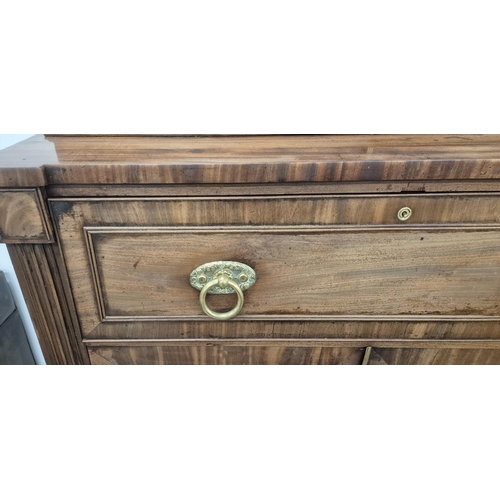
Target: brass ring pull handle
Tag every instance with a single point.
(221, 282)
(222, 277)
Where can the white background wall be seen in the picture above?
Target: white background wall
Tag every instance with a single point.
(7, 140)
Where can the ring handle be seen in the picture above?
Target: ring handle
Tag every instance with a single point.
(222, 282)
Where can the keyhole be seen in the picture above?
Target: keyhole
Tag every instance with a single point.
(404, 213)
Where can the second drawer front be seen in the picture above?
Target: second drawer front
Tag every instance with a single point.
(225, 355)
(426, 356)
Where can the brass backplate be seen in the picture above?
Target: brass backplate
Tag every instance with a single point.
(241, 273)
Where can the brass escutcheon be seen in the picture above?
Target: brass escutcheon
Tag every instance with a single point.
(404, 213)
(222, 277)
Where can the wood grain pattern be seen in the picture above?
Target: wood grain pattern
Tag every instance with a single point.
(312, 342)
(302, 274)
(408, 270)
(462, 329)
(54, 159)
(315, 351)
(42, 276)
(428, 356)
(290, 210)
(320, 211)
(22, 165)
(224, 355)
(271, 189)
(23, 217)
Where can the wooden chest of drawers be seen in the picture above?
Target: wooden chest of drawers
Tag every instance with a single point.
(366, 249)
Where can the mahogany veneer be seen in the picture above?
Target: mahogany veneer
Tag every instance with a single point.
(105, 230)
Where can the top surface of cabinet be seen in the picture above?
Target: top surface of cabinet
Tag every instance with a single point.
(78, 160)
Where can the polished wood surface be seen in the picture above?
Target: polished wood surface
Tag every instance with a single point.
(316, 351)
(22, 165)
(54, 160)
(340, 277)
(303, 274)
(132, 268)
(289, 210)
(362, 343)
(462, 329)
(23, 217)
(271, 189)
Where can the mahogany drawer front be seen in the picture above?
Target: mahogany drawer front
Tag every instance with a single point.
(213, 354)
(224, 355)
(292, 210)
(319, 273)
